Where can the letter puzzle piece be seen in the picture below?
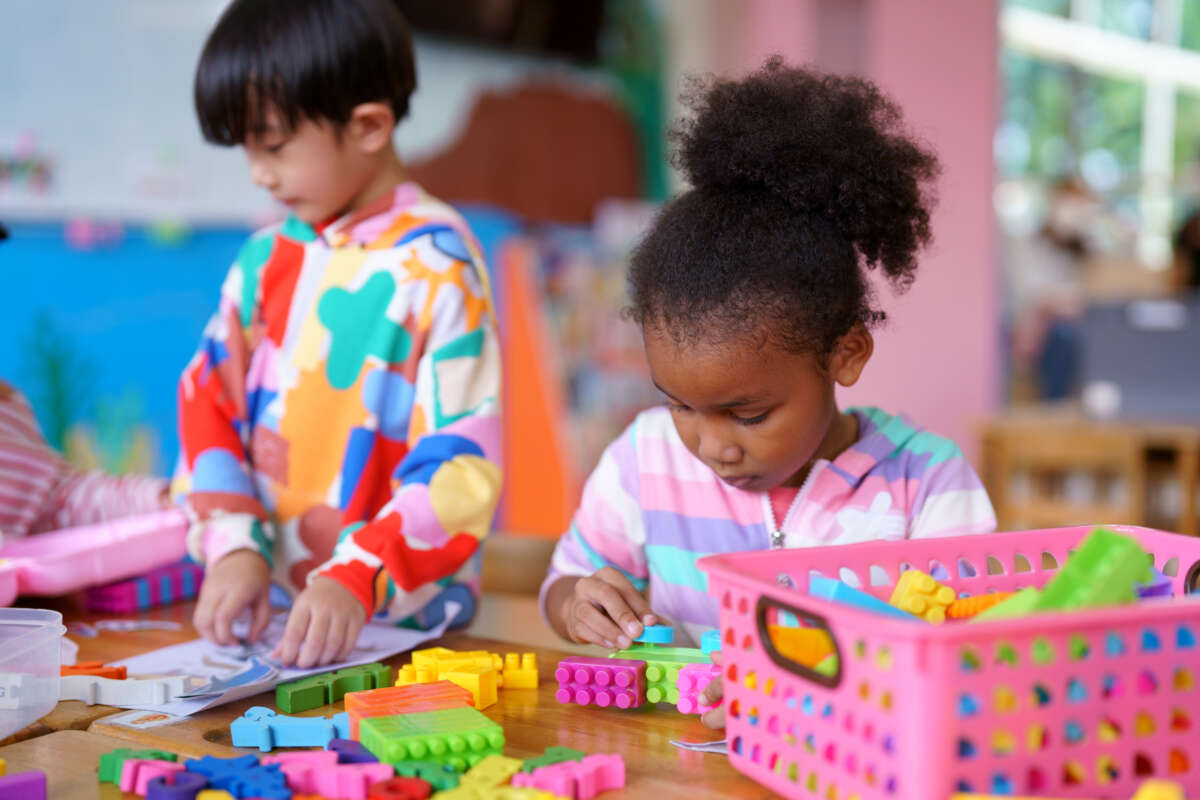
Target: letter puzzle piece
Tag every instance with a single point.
(479, 680)
(581, 780)
(112, 692)
(181, 786)
(136, 773)
(261, 727)
(553, 755)
(520, 671)
(460, 737)
(601, 682)
(662, 668)
(96, 668)
(242, 777)
(920, 595)
(317, 772)
(350, 752)
(393, 700)
(440, 776)
(400, 788)
(113, 762)
(330, 687)
(691, 682)
(838, 592)
(23, 786)
(492, 772)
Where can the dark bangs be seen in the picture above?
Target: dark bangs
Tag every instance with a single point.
(306, 59)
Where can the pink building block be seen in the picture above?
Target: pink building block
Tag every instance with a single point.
(136, 773)
(691, 682)
(578, 780)
(318, 772)
(601, 681)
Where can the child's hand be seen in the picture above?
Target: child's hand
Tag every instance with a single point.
(238, 581)
(607, 610)
(711, 695)
(326, 619)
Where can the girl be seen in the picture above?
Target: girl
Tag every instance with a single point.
(752, 295)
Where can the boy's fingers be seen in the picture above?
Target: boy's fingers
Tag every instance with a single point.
(583, 634)
(714, 718)
(227, 611)
(261, 616)
(333, 642)
(712, 693)
(633, 598)
(351, 640)
(606, 596)
(603, 625)
(314, 639)
(293, 634)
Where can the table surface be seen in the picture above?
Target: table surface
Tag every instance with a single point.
(532, 721)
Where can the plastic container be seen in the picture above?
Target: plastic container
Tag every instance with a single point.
(1083, 704)
(29, 665)
(58, 562)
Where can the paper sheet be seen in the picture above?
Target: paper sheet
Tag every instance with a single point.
(244, 671)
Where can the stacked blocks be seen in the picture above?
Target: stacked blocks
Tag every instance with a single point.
(520, 672)
(920, 595)
(263, 728)
(169, 584)
(691, 682)
(460, 737)
(320, 690)
(662, 668)
(403, 699)
(601, 681)
(478, 671)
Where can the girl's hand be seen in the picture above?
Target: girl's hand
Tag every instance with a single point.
(322, 627)
(238, 581)
(607, 610)
(712, 694)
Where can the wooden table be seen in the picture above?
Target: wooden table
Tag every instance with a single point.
(532, 720)
(69, 759)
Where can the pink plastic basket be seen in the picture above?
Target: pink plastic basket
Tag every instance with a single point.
(1084, 704)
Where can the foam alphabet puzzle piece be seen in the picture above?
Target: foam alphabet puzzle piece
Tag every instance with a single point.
(219, 770)
(493, 771)
(439, 776)
(400, 788)
(23, 786)
(266, 783)
(111, 692)
(261, 727)
(351, 752)
(330, 687)
(580, 780)
(113, 762)
(178, 786)
(318, 772)
(553, 755)
(136, 773)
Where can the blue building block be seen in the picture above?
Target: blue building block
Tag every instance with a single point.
(657, 634)
(710, 642)
(838, 592)
(263, 728)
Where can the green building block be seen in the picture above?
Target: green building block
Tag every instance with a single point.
(460, 737)
(330, 687)
(440, 776)
(553, 755)
(113, 762)
(662, 668)
(1020, 604)
(1103, 571)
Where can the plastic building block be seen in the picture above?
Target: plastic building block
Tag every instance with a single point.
(393, 700)
(111, 692)
(662, 668)
(580, 780)
(317, 772)
(691, 682)
(805, 646)
(439, 776)
(261, 727)
(170, 584)
(553, 755)
(330, 687)
(520, 671)
(460, 737)
(480, 681)
(844, 593)
(96, 668)
(1103, 571)
(180, 786)
(966, 607)
(921, 595)
(350, 752)
(710, 642)
(601, 682)
(400, 788)
(1159, 585)
(443, 658)
(1020, 604)
(492, 772)
(23, 786)
(136, 773)
(408, 675)
(113, 762)
(656, 634)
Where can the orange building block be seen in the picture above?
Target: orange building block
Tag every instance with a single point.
(394, 700)
(966, 607)
(96, 668)
(805, 646)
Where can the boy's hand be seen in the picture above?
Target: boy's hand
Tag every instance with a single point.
(238, 581)
(712, 694)
(326, 619)
(607, 610)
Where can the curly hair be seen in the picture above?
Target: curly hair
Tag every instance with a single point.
(801, 182)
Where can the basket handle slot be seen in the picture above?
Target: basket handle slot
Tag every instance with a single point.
(799, 642)
(1191, 583)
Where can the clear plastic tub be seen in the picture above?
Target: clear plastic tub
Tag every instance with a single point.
(29, 665)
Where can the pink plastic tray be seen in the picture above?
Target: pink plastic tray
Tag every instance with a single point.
(1084, 704)
(74, 558)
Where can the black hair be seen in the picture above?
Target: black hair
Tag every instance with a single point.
(306, 59)
(800, 182)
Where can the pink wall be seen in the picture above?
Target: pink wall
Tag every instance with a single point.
(937, 357)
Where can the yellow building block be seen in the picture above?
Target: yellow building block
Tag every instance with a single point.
(408, 675)
(492, 771)
(918, 593)
(441, 659)
(480, 681)
(520, 671)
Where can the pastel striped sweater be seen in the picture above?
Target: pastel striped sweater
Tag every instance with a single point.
(651, 508)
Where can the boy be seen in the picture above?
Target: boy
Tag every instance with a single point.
(339, 424)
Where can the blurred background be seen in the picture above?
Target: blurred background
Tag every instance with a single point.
(1050, 330)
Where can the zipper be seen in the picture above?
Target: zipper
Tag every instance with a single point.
(776, 531)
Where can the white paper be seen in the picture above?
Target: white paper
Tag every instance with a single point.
(204, 661)
(719, 746)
